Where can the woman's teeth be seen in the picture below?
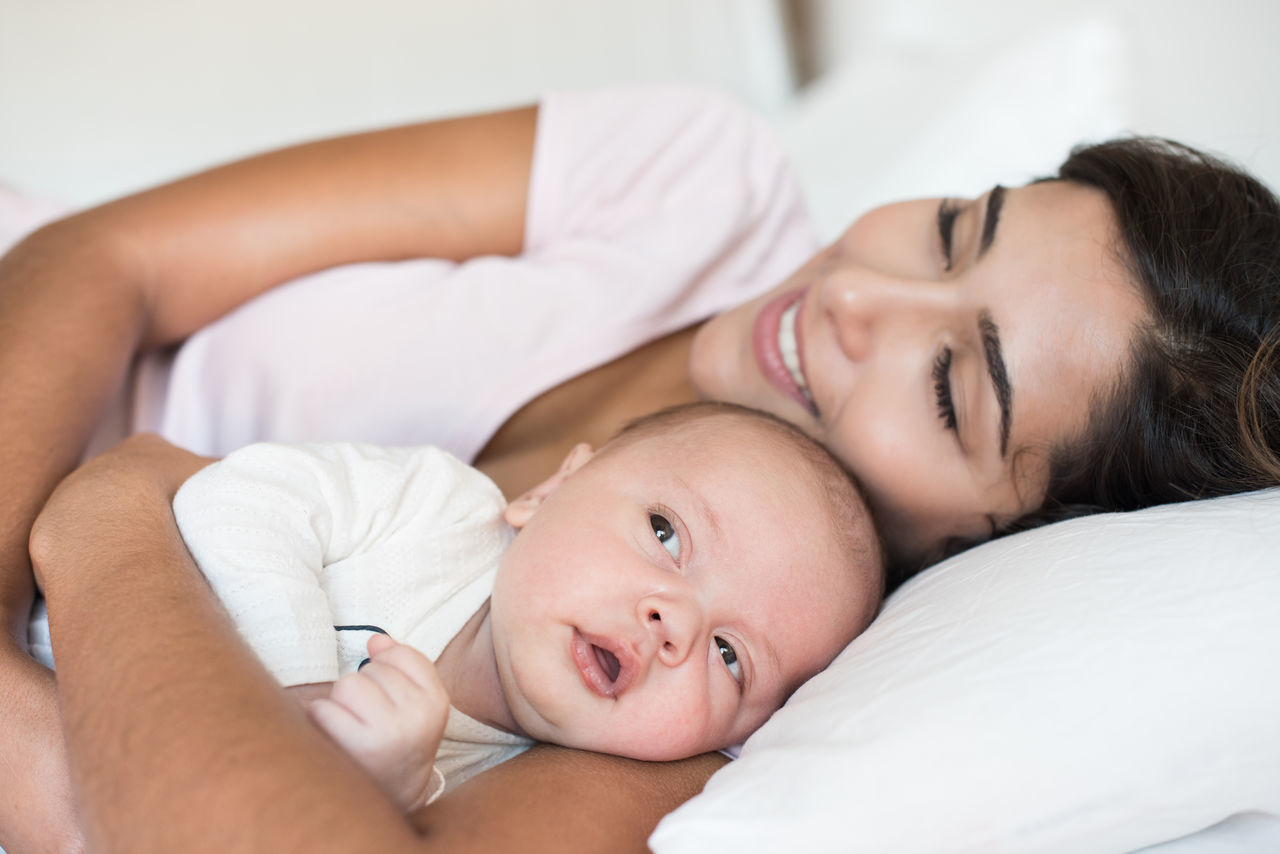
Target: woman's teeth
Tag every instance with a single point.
(790, 352)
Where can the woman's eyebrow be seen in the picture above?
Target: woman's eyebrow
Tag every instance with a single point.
(995, 200)
(994, 354)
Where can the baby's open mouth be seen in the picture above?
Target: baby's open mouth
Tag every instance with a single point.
(607, 665)
(608, 662)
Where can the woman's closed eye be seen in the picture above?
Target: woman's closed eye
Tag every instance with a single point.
(942, 389)
(730, 658)
(666, 534)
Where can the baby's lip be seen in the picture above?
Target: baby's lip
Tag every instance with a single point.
(607, 665)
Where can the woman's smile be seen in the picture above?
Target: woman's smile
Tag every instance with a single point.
(792, 355)
(778, 347)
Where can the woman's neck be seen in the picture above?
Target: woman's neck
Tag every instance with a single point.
(469, 671)
(591, 407)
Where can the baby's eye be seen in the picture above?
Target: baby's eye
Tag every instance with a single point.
(666, 534)
(730, 657)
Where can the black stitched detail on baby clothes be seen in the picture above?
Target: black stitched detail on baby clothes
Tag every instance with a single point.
(380, 631)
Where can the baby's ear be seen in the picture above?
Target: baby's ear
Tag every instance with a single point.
(520, 511)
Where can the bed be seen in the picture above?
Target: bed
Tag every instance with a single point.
(1102, 685)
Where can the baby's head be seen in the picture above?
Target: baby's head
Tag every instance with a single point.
(666, 594)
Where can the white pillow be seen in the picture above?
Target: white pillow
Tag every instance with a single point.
(890, 125)
(1097, 685)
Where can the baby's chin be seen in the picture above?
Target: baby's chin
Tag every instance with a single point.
(648, 750)
(620, 740)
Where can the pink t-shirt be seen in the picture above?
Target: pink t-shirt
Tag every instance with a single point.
(649, 210)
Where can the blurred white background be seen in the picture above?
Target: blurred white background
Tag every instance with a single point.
(874, 98)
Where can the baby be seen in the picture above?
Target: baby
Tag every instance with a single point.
(663, 596)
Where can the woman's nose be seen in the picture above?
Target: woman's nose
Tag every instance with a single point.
(673, 622)
(867, 308)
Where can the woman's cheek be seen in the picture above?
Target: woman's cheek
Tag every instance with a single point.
(887, 454)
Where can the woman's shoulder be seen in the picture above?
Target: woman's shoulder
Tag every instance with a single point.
(654, 105)
(634, 135)
(658, 166)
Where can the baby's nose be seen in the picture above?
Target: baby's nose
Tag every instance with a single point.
(672, 623)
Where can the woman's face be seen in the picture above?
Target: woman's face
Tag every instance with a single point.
(941, 350)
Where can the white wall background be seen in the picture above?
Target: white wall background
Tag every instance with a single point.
(971, 92)
(99, 97)
(1201, 70)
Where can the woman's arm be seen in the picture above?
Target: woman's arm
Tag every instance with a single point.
(79, 298)
(558, 800)
(168, 714)
(65, 341)
(115, 572)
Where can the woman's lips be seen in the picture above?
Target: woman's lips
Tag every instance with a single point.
(607, 666)
(768, 351)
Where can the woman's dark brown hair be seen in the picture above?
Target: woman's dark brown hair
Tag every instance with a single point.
(1197, 411)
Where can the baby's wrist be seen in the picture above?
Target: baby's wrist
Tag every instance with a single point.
(433, 789)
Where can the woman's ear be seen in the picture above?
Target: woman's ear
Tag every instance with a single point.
(520, 511)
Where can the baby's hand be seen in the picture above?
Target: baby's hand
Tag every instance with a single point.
(389, 716)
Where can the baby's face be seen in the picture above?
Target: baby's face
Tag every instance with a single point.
(666, 598)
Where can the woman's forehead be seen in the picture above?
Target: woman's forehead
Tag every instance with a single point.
(1071, 222)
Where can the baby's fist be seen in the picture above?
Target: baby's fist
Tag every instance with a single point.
(389, 716)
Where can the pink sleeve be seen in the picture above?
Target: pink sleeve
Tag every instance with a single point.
(21, 214)
(649, 211)
(682, 180)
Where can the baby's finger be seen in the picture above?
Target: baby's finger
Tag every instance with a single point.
(402, 689)
(407, 659)
(362, 695)
(378, 642)
(340, 724)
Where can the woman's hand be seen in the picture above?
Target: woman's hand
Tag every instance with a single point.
(389, 716)
(93, 510)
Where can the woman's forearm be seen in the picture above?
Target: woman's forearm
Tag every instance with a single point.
(552, 799)
(179, 740)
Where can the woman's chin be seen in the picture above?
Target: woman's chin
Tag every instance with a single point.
(720, 357)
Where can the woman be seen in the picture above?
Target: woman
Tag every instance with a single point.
(978, 364)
